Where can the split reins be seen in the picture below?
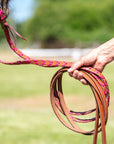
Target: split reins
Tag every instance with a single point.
(95, 79)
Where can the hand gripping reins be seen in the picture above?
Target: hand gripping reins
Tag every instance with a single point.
(95, 79)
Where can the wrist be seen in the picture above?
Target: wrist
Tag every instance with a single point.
(105, 56)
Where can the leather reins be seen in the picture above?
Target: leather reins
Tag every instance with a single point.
(95, 79)
(100, 89)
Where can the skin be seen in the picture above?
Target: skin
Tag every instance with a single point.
(97, 58)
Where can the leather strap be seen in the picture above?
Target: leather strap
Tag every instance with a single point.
(100, 89)
(96, 81)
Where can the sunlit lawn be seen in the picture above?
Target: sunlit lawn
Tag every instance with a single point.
(42, 127)
(27, 81)
(25, 122)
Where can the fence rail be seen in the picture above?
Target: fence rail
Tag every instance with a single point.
(74, 53)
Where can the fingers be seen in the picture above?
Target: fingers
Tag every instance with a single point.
(73, 71)
(99, 66)
(83, 81)
(75, 66)
(101, 62)
(78, 75)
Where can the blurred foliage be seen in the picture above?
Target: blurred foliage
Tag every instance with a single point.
(71, 21)
(1, 34)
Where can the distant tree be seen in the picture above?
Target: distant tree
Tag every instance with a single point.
(64, 22)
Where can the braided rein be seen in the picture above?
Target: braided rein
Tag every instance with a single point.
(96, 81)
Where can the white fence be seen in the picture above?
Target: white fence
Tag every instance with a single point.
(74, 53)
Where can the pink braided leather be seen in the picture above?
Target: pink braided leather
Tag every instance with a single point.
(27, 59)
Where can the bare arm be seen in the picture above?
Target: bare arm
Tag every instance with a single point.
(97, 58)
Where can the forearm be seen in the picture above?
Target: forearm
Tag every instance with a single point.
(97, 58)
(105, 52)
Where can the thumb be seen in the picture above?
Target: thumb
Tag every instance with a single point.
(76, 66)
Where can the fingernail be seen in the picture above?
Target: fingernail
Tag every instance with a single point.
(81, 80)
(75, 72)
(70, 69)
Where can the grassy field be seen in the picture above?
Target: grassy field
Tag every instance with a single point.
(27, 81)
(26, 115)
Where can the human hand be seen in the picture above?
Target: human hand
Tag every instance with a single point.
(96, 58)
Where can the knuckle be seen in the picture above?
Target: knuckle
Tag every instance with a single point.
(99, 62)
(102, 59)
(76, 74)
(80, 76)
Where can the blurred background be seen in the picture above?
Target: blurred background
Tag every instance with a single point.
(55, 29)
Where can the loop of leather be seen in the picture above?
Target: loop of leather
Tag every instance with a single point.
(101, 94)
(96, 80)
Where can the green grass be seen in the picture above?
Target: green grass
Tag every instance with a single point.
(35, 127)
(41, 127)
(27, 81)
(24, 81)
(34, 124)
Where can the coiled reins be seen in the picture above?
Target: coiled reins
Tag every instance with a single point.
(96, 81)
